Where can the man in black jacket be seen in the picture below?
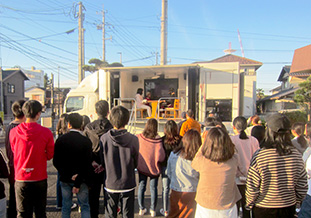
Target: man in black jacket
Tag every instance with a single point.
(72, 159)
(94, 131)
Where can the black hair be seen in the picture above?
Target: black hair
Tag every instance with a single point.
(102, 108)
(210, 121)
(240, 123)
(279, 140)
(140, 91)
(258, 132)
(119, 116)
(31, 108)
(17, 108)
(75, 120)
(190, 113)
(85, 120)
(299, 128)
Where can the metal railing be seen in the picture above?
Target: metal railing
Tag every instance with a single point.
(132, 121)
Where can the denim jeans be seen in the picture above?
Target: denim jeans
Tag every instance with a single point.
(305, 210)
(165, 189)
(153, 191)
(31, 196)
(83, 199)
(58, 192)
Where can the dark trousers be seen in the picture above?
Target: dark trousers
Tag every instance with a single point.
(94, 193)
(242, 202)
(127, 202)
(12, 200)
(285, 212)
(31, 196)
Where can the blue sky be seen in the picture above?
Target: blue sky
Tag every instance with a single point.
(32, 33)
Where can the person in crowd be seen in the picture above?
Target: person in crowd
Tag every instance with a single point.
(209, 123)
(32, 146)
(94, 131)
(151, 154)
(259, 133)
(61, 127)
(246, 146)
(307, 152)
(72, 159)
(19, 118)
(139, 101)
(217, 164)
(184, 118)
(121, 147)
(276, 179)
(190, 123)
(253, 121)
(4, 173)
(85, 121)
(299, 142)
(171, 141)
(184, 179)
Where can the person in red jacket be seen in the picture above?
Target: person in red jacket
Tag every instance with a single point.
(32, 146)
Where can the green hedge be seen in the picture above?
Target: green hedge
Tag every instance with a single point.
(296, 116)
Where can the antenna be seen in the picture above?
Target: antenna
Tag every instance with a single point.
(240, 40)
(230, 50)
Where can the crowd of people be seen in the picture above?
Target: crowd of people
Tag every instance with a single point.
(256, 172)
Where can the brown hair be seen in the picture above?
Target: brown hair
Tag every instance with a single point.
(172, 137)
(190, 145)
(218, 146)
(151, 129)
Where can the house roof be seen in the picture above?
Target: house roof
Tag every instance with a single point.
(276, 89)
(285, 69)
(6, 74)
(301, 61)
(280, 94)
(33, 87)
(235, 58)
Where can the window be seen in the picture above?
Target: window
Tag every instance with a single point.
(36, 97)
(74, 104)
(11, 88)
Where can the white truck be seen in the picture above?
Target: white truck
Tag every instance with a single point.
(212, 87)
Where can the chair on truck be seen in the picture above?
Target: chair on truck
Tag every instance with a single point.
(173, 112)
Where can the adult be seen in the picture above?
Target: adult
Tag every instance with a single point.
(184, 179)
(171, 141)
(299, 142)
(190, 123)
(19, 118)
(4, 173)
(184, 118)
(94, 131)
(151, 154)
(254, 121)
(32, 146)
(139, 101)
(72, 159)
(246, 146)
(217, 163)
(276, 179)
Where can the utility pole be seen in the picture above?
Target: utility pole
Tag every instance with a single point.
(81, 42)
(164, 33)
(120, 57)
(58, 93)
(104, 34)
(52, 100)
(1, 97)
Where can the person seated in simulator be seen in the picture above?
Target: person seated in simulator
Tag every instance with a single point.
(140, 101)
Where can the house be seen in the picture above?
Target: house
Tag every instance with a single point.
(282, 96)
(301, 65)
(237, 80)
(13, 88)
(35, 93)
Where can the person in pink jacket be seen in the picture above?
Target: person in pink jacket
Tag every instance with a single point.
(246, 147)
(32, 146)
(151, 154)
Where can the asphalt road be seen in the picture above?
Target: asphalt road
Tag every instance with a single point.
(51, 198)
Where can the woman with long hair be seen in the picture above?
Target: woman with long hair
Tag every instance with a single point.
(151, 154)
(184, 179)
(61, 127)
(276, 179)
(299, 142)
(171, 141)
(217, 164)
(246, 147)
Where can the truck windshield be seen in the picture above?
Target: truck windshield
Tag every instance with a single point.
(74, 103)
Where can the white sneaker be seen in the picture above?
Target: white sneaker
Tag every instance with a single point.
(152, 213)
(142, 212)
(164, 213)
(73, 206)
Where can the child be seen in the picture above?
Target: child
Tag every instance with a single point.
(121, 147)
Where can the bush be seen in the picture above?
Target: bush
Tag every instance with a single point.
(296, 116)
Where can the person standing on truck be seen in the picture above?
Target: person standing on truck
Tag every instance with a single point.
(94, 131)
(139, 101)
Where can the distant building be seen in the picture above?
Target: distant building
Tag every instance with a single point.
(36, 93)
(13, 88)
(301, 65)
(36, 77)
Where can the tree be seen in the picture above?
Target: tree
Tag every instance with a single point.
(303, 95)
(98, 64)
(45, 80)
(260, 94)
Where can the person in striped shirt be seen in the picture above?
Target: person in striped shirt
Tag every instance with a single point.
(276, 179)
